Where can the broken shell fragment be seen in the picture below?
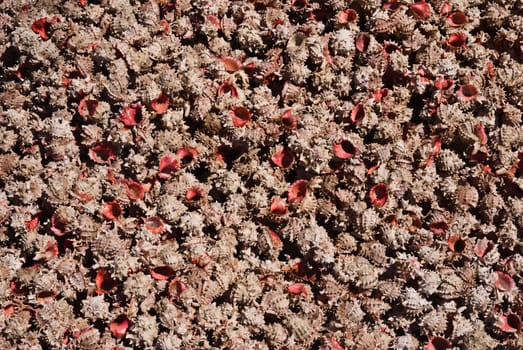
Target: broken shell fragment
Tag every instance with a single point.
(168, 166)
(240, 116)
(297, 191)
(284, 158)
(504, 282)
(162, 272)
(482, 247)
(379, 195)
(160, 104)
(119, 326)
(112, 210)
(42, 27)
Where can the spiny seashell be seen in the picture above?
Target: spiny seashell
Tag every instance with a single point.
(390, 290)
(374, 307)
(358, 270)
(451, 286)
(301, 329)
(431, 255)
(414, 303)
(276, 334)
(374, 251)
(466, 196)
(448, 161)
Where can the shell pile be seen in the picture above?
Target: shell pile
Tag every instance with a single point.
(264, 174)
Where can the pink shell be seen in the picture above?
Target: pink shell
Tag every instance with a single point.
(186, 154)
(135, 190)
(278, 206)
(41, 27)
(297, 191)
(457, 19)
(284, 158)
(289, 120)
(457, 40)
(362, 42)
(346, 16)
(231, 64)
(240, 116)
(102, 153)
(297, 289)
(87, 108)
(104, 282)
(509, 322)
(132, 115)
(162, 272)
(112, 210)
(194, 194)
(437, 343)
(421, 9)
(168, 166)
(379, 195)
(344, 149)
(467, 92)
(358, 113)
(160, 104)
(504, 282)
(456, 244)
(119, 326)
(154, 224)
(227, 87)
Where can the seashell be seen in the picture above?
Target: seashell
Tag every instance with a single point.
(112, 210)
(240, 116)
(421, 9)
(301, 329)
(168, 166)
(390, 290)
(375, 308)
(275, 334)
(104, 282)
(456, 244)
(357, 114)
(132, 115)
(466, 196)
(297, 191)
(467, 92)
(457, 40)
(374, 251)
(414, 304)
(504, 282)
(509, 322)
(457, 19)
(451, 287)
(431, 256)
(378, 195)
(160, 104)
(448, 161)
(437, 343)
(119, 326)
(357, 270)
(186, 155)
